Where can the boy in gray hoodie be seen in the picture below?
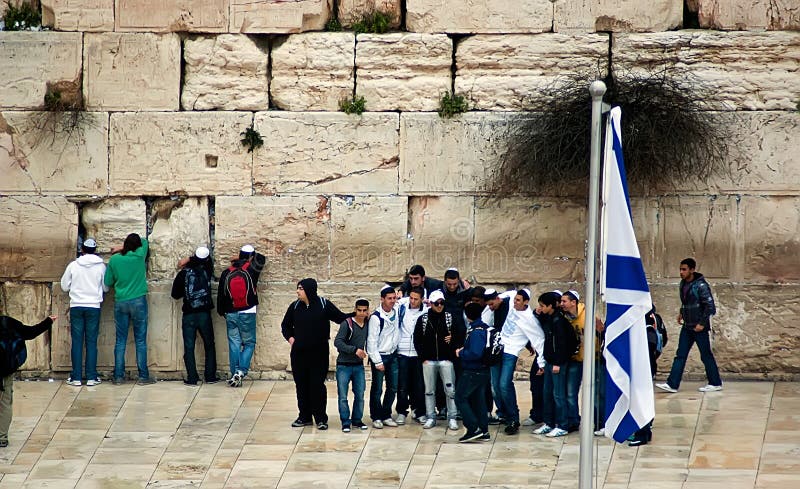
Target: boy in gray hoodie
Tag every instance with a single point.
(83, 279)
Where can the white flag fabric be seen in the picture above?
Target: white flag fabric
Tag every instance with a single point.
(629, 386)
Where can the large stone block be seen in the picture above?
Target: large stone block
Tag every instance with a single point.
(131, 71)
(78, 15)
(179, 227)
(489, 16)
(771, 242)
(279, 16)
(164, 343)
(442, 232)
(403, 71)
(172, 15)
(700, 227)
(750, 15)
(327, 153)
(522, 240)
(292, 232)
(617, 16)
(30, 304)
(31, 60)
(109, 221)
(369, 238)
(227, 72)
(196, 153)
(505, 72)
(39, 238)
(431, 147)
(351, 11)
(313, 71)
(47, 152)
(737, 70)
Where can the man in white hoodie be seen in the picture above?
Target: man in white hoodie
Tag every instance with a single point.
(83, 279)
(383, 337)
(520, 327)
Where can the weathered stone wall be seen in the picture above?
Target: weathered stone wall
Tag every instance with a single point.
(168, 89)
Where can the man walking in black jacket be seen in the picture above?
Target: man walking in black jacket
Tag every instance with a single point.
(307, 327)
(697, 307)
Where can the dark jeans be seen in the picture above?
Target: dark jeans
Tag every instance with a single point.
(507, 390)
(574, 377)
(84, 323)
(600, 375)
(131, 311)
(537, 394)
(688, 338)
(382, 409)
(309, 370)
(471, 399)
(193, 323)
(410, 386)
(555, 397)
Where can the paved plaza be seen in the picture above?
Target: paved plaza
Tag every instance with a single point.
(169, 435)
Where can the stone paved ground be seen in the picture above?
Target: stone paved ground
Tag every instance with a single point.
(169, 435)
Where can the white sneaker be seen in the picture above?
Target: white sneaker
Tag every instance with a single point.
(556, 432)
(429, 423)
(422, 419)
(93, 382)
(389, 422)
(710, 388)
(452, 424)
(76, 383)
(401, 419)
(667, 387)
(528, 422)
(377, 424)
(542, 430)
(600, 432)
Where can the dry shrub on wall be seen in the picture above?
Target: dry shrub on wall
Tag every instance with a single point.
(668, 135)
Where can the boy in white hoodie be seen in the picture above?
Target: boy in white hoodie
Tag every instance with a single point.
(83, 279)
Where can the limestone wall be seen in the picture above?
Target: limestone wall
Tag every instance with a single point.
(169, 87)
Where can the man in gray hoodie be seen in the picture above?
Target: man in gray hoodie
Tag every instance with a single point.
(83, 279)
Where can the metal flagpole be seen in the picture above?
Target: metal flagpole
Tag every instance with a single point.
(597, 89)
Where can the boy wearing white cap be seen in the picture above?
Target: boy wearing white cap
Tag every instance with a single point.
(83, 279)
(193, 285)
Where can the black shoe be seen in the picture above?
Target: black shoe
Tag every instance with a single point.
(3, 443)
(322, 425)
(637, 442)
(299, 423)
(485, 437)
(470, 436)
(494, 420)
(573, 428)
(360, 426)
(118, 381)
(189, 382)
(512, 428)
(213, 381)
(146, 381)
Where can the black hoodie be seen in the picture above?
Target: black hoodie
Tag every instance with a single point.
(429, 337)
(310, 325)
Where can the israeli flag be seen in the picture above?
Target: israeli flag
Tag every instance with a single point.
(629, 386)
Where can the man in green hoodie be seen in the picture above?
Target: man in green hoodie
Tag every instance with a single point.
(127, 273)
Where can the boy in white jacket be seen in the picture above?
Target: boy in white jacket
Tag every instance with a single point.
(83, 279)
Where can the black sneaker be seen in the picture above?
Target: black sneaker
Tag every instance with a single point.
(322, 425)
(485, 437)
(118, 381)
(512, 428)
(360, 426)
(299, 423)
(469, 437)
(146, 381)
(495, 420)
(213, 381)
(3, 443)
(189, 382)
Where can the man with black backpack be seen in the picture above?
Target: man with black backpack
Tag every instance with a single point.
(471, 390)
(193, 285)
(237, 299)
(13, 354)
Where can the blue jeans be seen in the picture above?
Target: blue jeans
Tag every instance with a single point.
(241, 340)
(471, 400)
(507, 390)
(687, 338)
(574, 377)
(555, 397)
(494, 371)
(380, 410)
(84, 323)
(344, 375)
(125, 312)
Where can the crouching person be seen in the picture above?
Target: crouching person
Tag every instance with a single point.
(475, 378)
(351, 342)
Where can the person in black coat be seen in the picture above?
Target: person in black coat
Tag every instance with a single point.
(11, 330)
(307, 327)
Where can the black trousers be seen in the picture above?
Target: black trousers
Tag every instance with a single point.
(309, 370)
(193, 323)
(537, 394)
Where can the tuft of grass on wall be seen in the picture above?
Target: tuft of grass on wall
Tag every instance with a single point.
(452, 104)
(354, 105)
(21, 16)
(375, 22)
(251, 139)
